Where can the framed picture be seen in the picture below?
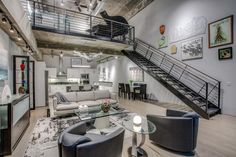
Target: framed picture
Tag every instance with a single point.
(192, 49)
(221, 32)
(225, 53)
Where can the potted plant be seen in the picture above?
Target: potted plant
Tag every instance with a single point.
(105, 107)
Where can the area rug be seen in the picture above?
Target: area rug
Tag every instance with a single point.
(43, 141)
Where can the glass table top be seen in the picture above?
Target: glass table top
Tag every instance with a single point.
(146, 127)
(95, 112)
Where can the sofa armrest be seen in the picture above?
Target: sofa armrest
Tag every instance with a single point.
(54, 101)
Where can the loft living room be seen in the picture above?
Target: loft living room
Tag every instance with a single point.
(99, 78)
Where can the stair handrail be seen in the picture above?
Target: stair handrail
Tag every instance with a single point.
(148, 46)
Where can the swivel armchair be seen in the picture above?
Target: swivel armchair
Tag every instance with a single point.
(177, 131)
(75, 142)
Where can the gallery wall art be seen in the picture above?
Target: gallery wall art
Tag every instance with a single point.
(163, 41)
(221, 32)
(196, 26)
(3, 64)
(225, 53)
(173, 49)
(192, 49)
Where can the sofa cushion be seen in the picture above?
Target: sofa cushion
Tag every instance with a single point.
(88, 103)
(100, 101)
(101, 94)
(71, 96)
(72, 106)
(85, 96)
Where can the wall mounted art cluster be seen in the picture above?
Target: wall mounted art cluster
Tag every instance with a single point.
(220, 33)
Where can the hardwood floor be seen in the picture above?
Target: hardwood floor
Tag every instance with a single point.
(216, 138)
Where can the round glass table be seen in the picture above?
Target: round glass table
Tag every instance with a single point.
(144, 127)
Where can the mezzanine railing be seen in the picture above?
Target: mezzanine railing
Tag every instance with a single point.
(59, 20)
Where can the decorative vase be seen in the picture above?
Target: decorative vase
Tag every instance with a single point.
(105, 107)
(22, 67)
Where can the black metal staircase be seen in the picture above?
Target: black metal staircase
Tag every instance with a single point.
(196, 89)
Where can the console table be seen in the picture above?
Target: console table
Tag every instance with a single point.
(14, 120)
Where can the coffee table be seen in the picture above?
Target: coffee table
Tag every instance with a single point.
(144, 129)
(95, 112)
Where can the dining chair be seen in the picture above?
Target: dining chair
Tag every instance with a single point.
(121, 90)
(128, 91)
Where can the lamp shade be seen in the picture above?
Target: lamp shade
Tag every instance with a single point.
(137, 120)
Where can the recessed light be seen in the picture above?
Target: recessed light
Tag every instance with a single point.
(116, 57)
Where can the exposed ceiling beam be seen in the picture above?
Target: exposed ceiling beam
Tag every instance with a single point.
(72, 47)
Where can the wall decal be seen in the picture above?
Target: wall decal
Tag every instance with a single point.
(163, 41)
(221, 32)
(3, 64)
(173, 49)
(225, 53)
(194, 27)
(192, 49)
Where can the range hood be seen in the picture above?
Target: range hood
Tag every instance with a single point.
(61, 73)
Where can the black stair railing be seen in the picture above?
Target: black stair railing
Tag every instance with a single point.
(208, 88)
(55, 19)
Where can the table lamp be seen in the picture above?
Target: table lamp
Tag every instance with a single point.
(137, 121)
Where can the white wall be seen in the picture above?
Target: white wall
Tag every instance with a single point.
(40, 68)
(12, 49)
(119, 73)
(174, 13)
(7, 44)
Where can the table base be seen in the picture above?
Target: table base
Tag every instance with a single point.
(142, 153)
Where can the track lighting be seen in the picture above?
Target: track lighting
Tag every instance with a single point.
(4, 20)
(11, 29)
(18, 37)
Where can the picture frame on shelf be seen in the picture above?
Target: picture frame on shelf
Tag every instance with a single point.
(225, 53)
(221, 32)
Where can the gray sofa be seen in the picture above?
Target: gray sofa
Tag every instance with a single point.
(75, 142)
(177, 131)
(90, 98)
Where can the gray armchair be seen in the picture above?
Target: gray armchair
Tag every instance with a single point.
(75, 142)
(177, 131)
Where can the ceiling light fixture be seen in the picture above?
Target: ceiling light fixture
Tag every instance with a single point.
(12, 29)
(81, 66)
(116, 57)
(4, 20)
(61, 55)
(62, 3)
